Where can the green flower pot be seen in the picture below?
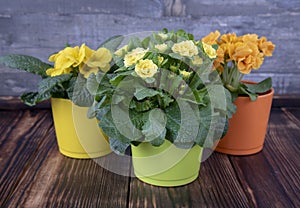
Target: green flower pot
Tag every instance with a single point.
(166, 165)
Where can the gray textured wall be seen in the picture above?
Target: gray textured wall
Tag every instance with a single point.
(39, 28)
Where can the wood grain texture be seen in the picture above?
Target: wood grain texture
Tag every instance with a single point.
(34, 174)
(15, 103)
(271, 177)
(49, 179)
(21, 134)
(217, 186)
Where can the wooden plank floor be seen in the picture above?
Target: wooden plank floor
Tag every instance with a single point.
(34, 174)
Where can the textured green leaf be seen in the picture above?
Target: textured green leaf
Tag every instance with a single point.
(154, 129)
(30, 98)
(141, 106)
(26, 63)
(212, 126)
(46, 85)
(79, 93)
(92, 84)
(118, 146)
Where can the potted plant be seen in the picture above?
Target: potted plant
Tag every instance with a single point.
(65, 85)
(162, 98)
(238, 56)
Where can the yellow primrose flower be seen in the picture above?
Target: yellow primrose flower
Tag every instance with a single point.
(185, 48)
(209, 50)
(185, 74)
(52, 72)
(197, 60)
(160, 59)
(99, 59)
(146, 68)
(67, 58)
(84, 54)
(133, 56)
(161, 47)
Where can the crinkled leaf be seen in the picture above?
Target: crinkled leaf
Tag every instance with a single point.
(26, 63)
(118, 146)
(92, 84)
(79, 93)
(51, 84)
(138, 119)
(217, 96)
(154, 129)
(118, 142)
(31, 98)
(141, 106)
(212, 126)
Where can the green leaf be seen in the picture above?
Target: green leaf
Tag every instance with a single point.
(212, 126)
(145, 42)
(176, 56)
(138, 119)
(92, 84)
(260, 87)
(78, 92)
(48, 85)
(154, 129)
(120, 76)
(30, 98)
(113, 43)
(118, 146)
(252, 96)
(231, 108)
(26, 63)
(134, 43)
(118, 142)
(142, 93)
(141, 106)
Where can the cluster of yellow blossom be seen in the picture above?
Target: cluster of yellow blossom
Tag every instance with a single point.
(185, 48)
(133, 56)
(247, 51)
(146, 68)
(87, 60)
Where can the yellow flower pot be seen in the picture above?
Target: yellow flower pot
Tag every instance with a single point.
(77, 136)
(166, 165)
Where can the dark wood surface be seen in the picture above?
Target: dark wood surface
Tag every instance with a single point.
(34, 174)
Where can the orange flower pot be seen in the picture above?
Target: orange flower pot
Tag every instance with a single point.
(248, 126)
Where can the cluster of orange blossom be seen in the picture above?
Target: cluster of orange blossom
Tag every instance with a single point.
(244, 53)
